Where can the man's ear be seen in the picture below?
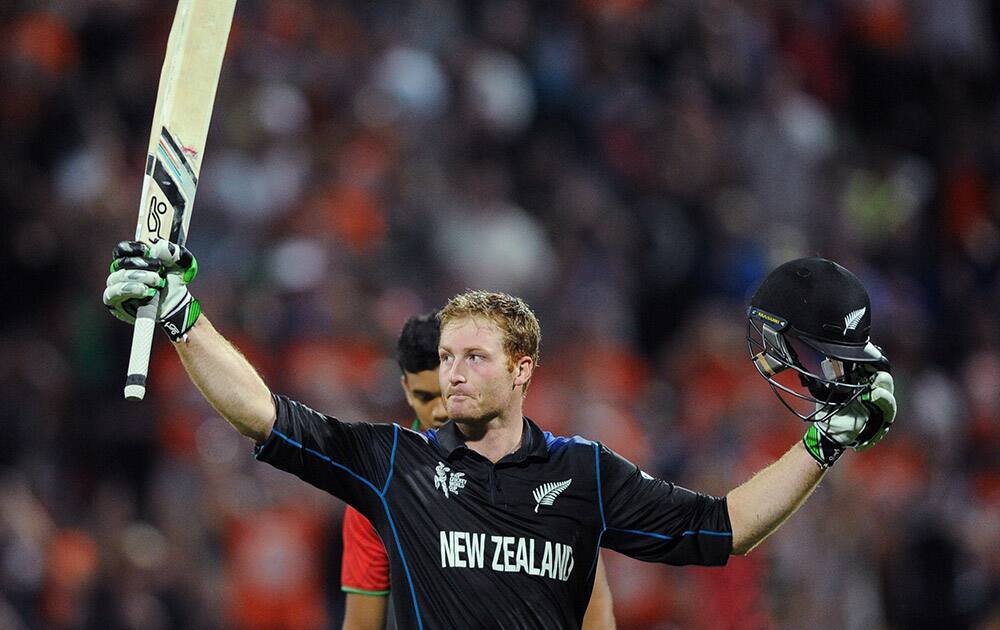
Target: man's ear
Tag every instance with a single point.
(406, 390)
(523, 370)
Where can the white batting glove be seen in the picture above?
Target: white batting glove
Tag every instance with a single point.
(859, 425)
(140, 270)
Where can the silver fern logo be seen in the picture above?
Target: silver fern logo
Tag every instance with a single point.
(852, 319)
(546, 493)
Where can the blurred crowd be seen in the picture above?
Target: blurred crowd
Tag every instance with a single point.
(630, 167)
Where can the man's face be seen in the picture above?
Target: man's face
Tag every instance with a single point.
(423, 393)
(477, 383)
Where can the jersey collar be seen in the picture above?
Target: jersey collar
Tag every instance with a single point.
(533, 443)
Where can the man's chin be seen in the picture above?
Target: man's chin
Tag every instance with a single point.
(464, 418)
(473, 418)
(463, 415)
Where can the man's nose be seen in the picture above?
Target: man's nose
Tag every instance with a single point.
(455, 374)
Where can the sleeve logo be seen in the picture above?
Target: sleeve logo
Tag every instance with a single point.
(546, 493)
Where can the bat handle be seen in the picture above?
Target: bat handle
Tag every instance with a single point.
(142, 343)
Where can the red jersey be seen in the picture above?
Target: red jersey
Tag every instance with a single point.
(365, 568)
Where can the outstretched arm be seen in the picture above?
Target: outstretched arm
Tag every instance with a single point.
(762, 504)
(227, 380)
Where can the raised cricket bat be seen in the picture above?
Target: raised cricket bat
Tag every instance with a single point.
(176, 147)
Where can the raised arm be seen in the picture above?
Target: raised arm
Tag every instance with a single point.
(762, 504)
(227, 380)
(224, 376)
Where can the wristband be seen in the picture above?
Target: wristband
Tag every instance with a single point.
(824, 450)
(179, 321)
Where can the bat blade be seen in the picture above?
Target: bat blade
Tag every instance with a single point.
(181, 119)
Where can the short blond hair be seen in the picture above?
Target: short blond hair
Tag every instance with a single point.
(522, 336)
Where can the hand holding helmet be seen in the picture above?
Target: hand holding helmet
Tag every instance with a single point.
(811, 317)
(859, 425)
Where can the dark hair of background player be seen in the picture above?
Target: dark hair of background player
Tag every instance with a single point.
(417, 348)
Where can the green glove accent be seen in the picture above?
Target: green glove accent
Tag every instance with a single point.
(824, 450)
(139, 270)
(860, 425)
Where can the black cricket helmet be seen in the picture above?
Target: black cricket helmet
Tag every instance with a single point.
(812, 317)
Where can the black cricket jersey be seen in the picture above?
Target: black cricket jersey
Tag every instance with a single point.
(473, 544)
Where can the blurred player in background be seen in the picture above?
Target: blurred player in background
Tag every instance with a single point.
(365, 568)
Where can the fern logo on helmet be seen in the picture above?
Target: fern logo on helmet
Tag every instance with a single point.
(852, 319)
(546, 493)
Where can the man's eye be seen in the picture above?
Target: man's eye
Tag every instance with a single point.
(475, 358)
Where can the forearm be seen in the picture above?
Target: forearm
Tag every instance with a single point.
(364, 612)
(600, 612)
(762, 504)
(227, 380)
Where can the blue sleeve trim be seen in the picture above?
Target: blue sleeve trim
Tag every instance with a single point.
(600, 492)
(381, 496)
(690, 532)
(604, 524)
(406, 567)
(705, 532)
(556, 443)
(600, 505)
(326, 459)
(392, 459)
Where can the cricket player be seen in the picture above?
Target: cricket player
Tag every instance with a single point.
(365, 567)
(490, 522)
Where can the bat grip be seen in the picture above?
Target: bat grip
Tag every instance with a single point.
(142, 343)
